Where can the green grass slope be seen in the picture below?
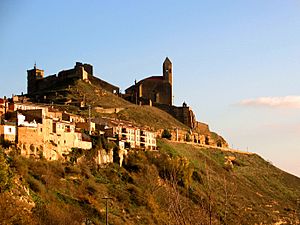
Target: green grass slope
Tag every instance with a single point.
(179, 184)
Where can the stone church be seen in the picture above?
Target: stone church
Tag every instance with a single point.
(157, 91)
(154, 89)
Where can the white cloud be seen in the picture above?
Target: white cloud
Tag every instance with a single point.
(278, 102)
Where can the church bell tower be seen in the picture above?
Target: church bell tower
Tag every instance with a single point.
(167, 70)
(168, 80)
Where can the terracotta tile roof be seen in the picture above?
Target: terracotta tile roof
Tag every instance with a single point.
(154, 78)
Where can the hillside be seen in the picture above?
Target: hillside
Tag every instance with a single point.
(141, 115)
(179, 184)
(69, 95)
(92, 95)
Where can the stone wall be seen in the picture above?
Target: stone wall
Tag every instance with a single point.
(201, 128)
(30, 141)
(184, 114)
(107, 110)
(104, 85)
(45, 83)
(205, 137)
(155, 89)
(104, 157)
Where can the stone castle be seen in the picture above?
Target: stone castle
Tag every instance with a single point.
(37, 83)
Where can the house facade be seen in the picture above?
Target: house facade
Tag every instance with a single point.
(45, 132)
(130, 136)
(3, 106)
(8, 132)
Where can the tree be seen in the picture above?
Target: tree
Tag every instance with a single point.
(166, 134)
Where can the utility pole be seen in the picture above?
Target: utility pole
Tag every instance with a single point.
(298, 207)
(90, 119)
(136, 92)
(106, 206)
(5, 107)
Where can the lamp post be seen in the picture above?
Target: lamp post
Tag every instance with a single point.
(106, 209)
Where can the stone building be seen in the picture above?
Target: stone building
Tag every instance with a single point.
(127, 134)
(157, 89)
(36, 82)
(182, 113)
(132, 137)
(8, 132)
(44, 131)
(3, 106)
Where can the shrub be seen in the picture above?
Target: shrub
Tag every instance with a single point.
(188, 137)
(72, 170)
(85, 170)
(177, 169)
(136, 195)
(116, 158)
(135, 162)
(5, 173)
(35, 185)
(58, 213)
(228, 167)
(12, 211)
(75, 154)
(166, 134)
(5, 143)
(19, 165)
(197, 177)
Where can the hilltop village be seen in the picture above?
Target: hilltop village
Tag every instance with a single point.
(74, 145)
(38, 128)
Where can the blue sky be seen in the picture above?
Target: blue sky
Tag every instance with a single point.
(227, 56)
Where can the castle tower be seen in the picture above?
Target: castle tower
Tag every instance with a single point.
(167, 70)
(168, 77)
(33, 76)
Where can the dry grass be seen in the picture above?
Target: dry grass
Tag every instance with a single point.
(151, 117)
(179, 184)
